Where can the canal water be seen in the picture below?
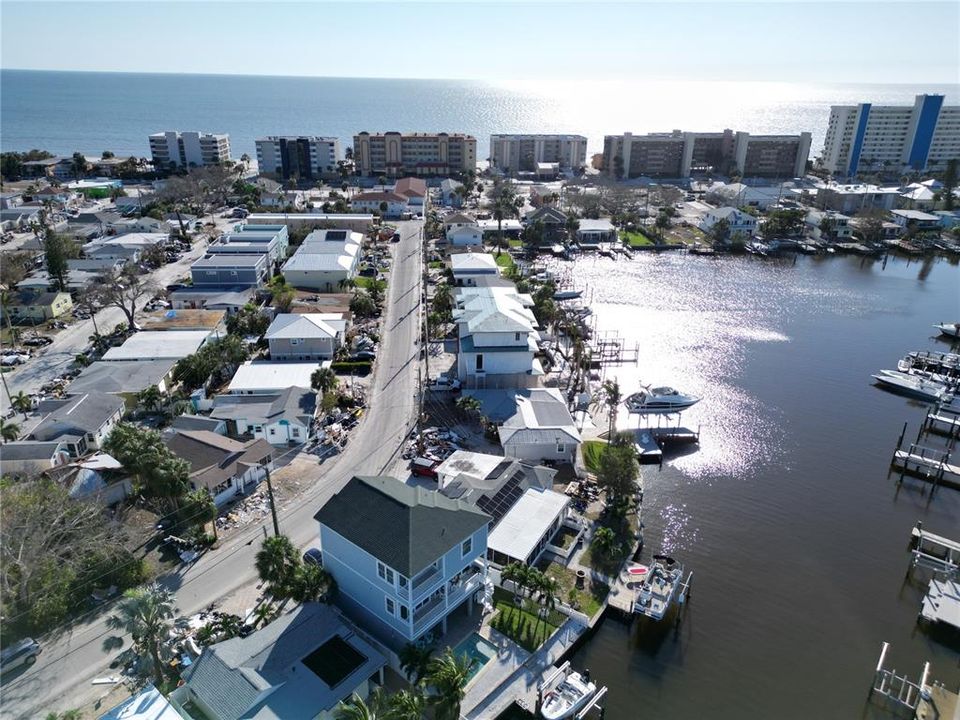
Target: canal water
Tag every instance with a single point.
(794, 530)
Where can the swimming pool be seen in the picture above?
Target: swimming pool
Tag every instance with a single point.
(477, 648)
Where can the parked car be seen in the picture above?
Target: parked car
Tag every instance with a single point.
(368, 271)
(395, 238)
(37, 340)
(22, 653)
(424, 467)
(443, 383)
(364, 355)
(313, 556)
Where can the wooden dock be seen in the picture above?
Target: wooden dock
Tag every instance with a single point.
(934, 552)
(943, 420)
(649, 441)
(928, 464)
(923, 700)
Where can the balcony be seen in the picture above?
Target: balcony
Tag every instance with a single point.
(432, 610)
(426, 577)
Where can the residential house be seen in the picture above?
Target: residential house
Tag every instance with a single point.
(199, 422)
(231, 245)
(256, 377)
(741, 195)
(465, 236)
(123, 247)
(508, 227)
(230, 271)
(542, 428)
(388, 204)
(949, 219)
(918, 197)
(40, 168)
(301, 666)
(916, 219)
(467, 266)
(281, 417)
(96, 265)
(738, 222)
(40, 280)
(148, 704)
(448, 193)
(283, 199)
(456, 220)
(593, 232)
(358, 222)
(33, 308)
(527, 528)
(81, 422)
(10, 200)
(29, 458)
(850, 199)
(124, 377)
(554, 223)
(305, 336)
(158, 345)
(404, 558)
(498, 339)
(225, 467)
(231, 300)
(839, 225)
(414, 189)
(19, 219)
(264, 234)
(325, 260)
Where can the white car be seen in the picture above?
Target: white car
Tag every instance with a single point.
(444, 383)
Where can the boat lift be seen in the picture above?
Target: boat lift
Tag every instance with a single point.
(934, 552)
(560, 674)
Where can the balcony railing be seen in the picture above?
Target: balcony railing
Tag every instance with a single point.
(427, 576)
(429, 612)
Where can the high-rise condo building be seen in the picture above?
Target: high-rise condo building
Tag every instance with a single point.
(870, 138)
(679, 154)
(300, 157)
(396, 154)
(521, 153)
(189, 149)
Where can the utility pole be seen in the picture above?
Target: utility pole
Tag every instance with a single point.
(273, 505)
(426, 309)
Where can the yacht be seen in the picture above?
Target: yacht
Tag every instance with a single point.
(568, 698)
(659, 587)
(913, 385)
(949, 329)
(659, 400)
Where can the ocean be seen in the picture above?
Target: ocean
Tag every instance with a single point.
(64, 112)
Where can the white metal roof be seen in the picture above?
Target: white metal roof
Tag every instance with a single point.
(305, 325)
(159, 344)
(265, 375)
(519, 531)
(473, 262)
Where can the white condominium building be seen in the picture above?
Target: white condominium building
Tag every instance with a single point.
(869, 138)
(299, 157)
(396, 154)
(186, 149)
(521, 153)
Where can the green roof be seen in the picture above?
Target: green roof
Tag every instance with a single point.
(405, 527)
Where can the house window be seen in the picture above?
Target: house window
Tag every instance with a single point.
(479, 362)
(404, 613)
(466, 547)
(391, 608)
(273, 431)
(296, 341)
(560, 447)
(385, 573)
(516, 336)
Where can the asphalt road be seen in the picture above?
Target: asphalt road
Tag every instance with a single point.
(60, 679)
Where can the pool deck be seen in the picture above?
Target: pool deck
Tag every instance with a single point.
(514, 674)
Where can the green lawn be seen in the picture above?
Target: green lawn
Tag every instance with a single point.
(515, 243)
(504, 261)
(522, 624)
(366, 283)
(636, 238)
(435, 264)
(592, 451)
(589, 600)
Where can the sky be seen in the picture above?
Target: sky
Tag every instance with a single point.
(857, 42)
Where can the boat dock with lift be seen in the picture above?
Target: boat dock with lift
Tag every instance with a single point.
(923, 700)
(940, 555)
(651, 591)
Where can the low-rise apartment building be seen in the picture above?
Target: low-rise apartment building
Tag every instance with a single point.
(518, 153)
(303, 157)
(188, 149)
(395, 154)
(230, 270)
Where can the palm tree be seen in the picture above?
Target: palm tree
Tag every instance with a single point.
(356, 708)
(571, 225)
(407, 705)
(468, 405)
(149, 398)
(276, 562)
(503, 205)
(144, 614)
(611, 395)
(311, 583)
(8, 430)
(548, 588)
(606, 541)
(324, 379)
(21, 403)
(414, 660)
(447, 675)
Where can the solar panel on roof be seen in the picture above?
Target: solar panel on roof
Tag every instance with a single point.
(336, 235)
(504, 499)
(499, 469)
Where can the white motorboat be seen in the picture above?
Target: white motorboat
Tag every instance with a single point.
(659, 401)
(659, 587)
(913, 386)
(567, 294)
(568, 698)
(949, 329)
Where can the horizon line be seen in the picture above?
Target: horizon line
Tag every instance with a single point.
(453, 79)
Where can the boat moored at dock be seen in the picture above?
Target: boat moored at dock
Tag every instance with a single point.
(949, 329)
(568, 698)
(659, 586)
(659, 400)
(913, 386)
